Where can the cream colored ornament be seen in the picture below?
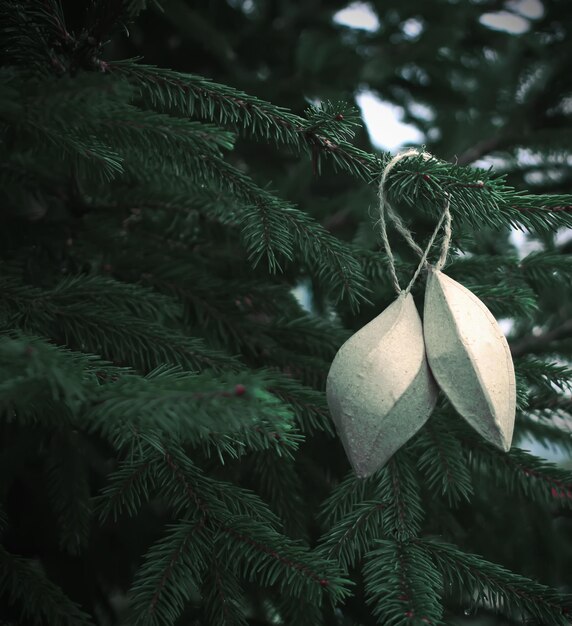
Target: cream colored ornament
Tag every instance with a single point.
(470, 358)
(379, 389)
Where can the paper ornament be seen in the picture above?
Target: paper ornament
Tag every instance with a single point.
(379, 389)
(470, 358)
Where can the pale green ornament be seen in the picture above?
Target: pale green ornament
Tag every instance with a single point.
(379, 389)
(470, 358)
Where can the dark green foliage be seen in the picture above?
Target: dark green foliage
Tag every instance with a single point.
(349, 540)
(167, 456)
(490, 584)
(402, 582)
(442, 462)
(223, 596)
(171, 574)
(525, 475)
(188, 94)
(398, 487)
(68, 488)
(24, 583)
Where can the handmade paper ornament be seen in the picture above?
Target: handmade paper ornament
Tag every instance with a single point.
(470, 358)
(379, 388)
(466, 349)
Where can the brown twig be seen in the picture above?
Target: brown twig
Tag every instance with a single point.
(536, 343)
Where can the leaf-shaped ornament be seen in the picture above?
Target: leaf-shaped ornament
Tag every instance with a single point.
(380, 390)
(470, 358)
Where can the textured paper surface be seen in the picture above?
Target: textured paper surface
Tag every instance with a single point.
(379, 389)
(470, 358)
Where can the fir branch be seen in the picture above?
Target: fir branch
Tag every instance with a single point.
(309, 335)
(174, 137)
(346, 496)
(34, 373)
(90, 158)
(183, 484)
(308, 370)
(391, 495)
(332, 264)
(256, 546)
(246, 538)
(194, 95)
(266, 233)
(37, 598)
(129, 487)
(81, 313)
(506, 300)
(229, 415)
(189, 94)
(245, 317)
(546, 268)
(403, 585)
(536, 271)
(309, 405)
(471, 269)
(223, 598)
(277, 481)
(260, 553)
(69, 490)
(477, 197)
(544, 376)
(337, 120)
(91, 117)
(30, 31)
(441, 462)
(522, 474)
(274, 229)
(546, 204)
(152, 469)
(229, 309)
(494, 586)
(348, 540)
(119, 296)
(67, 99)
(171, 574)
(164, 400)
(397, 487)
(181, 197)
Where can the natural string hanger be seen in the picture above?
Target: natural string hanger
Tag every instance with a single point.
(385, 209)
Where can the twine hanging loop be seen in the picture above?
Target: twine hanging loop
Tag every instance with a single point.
(386, 211)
